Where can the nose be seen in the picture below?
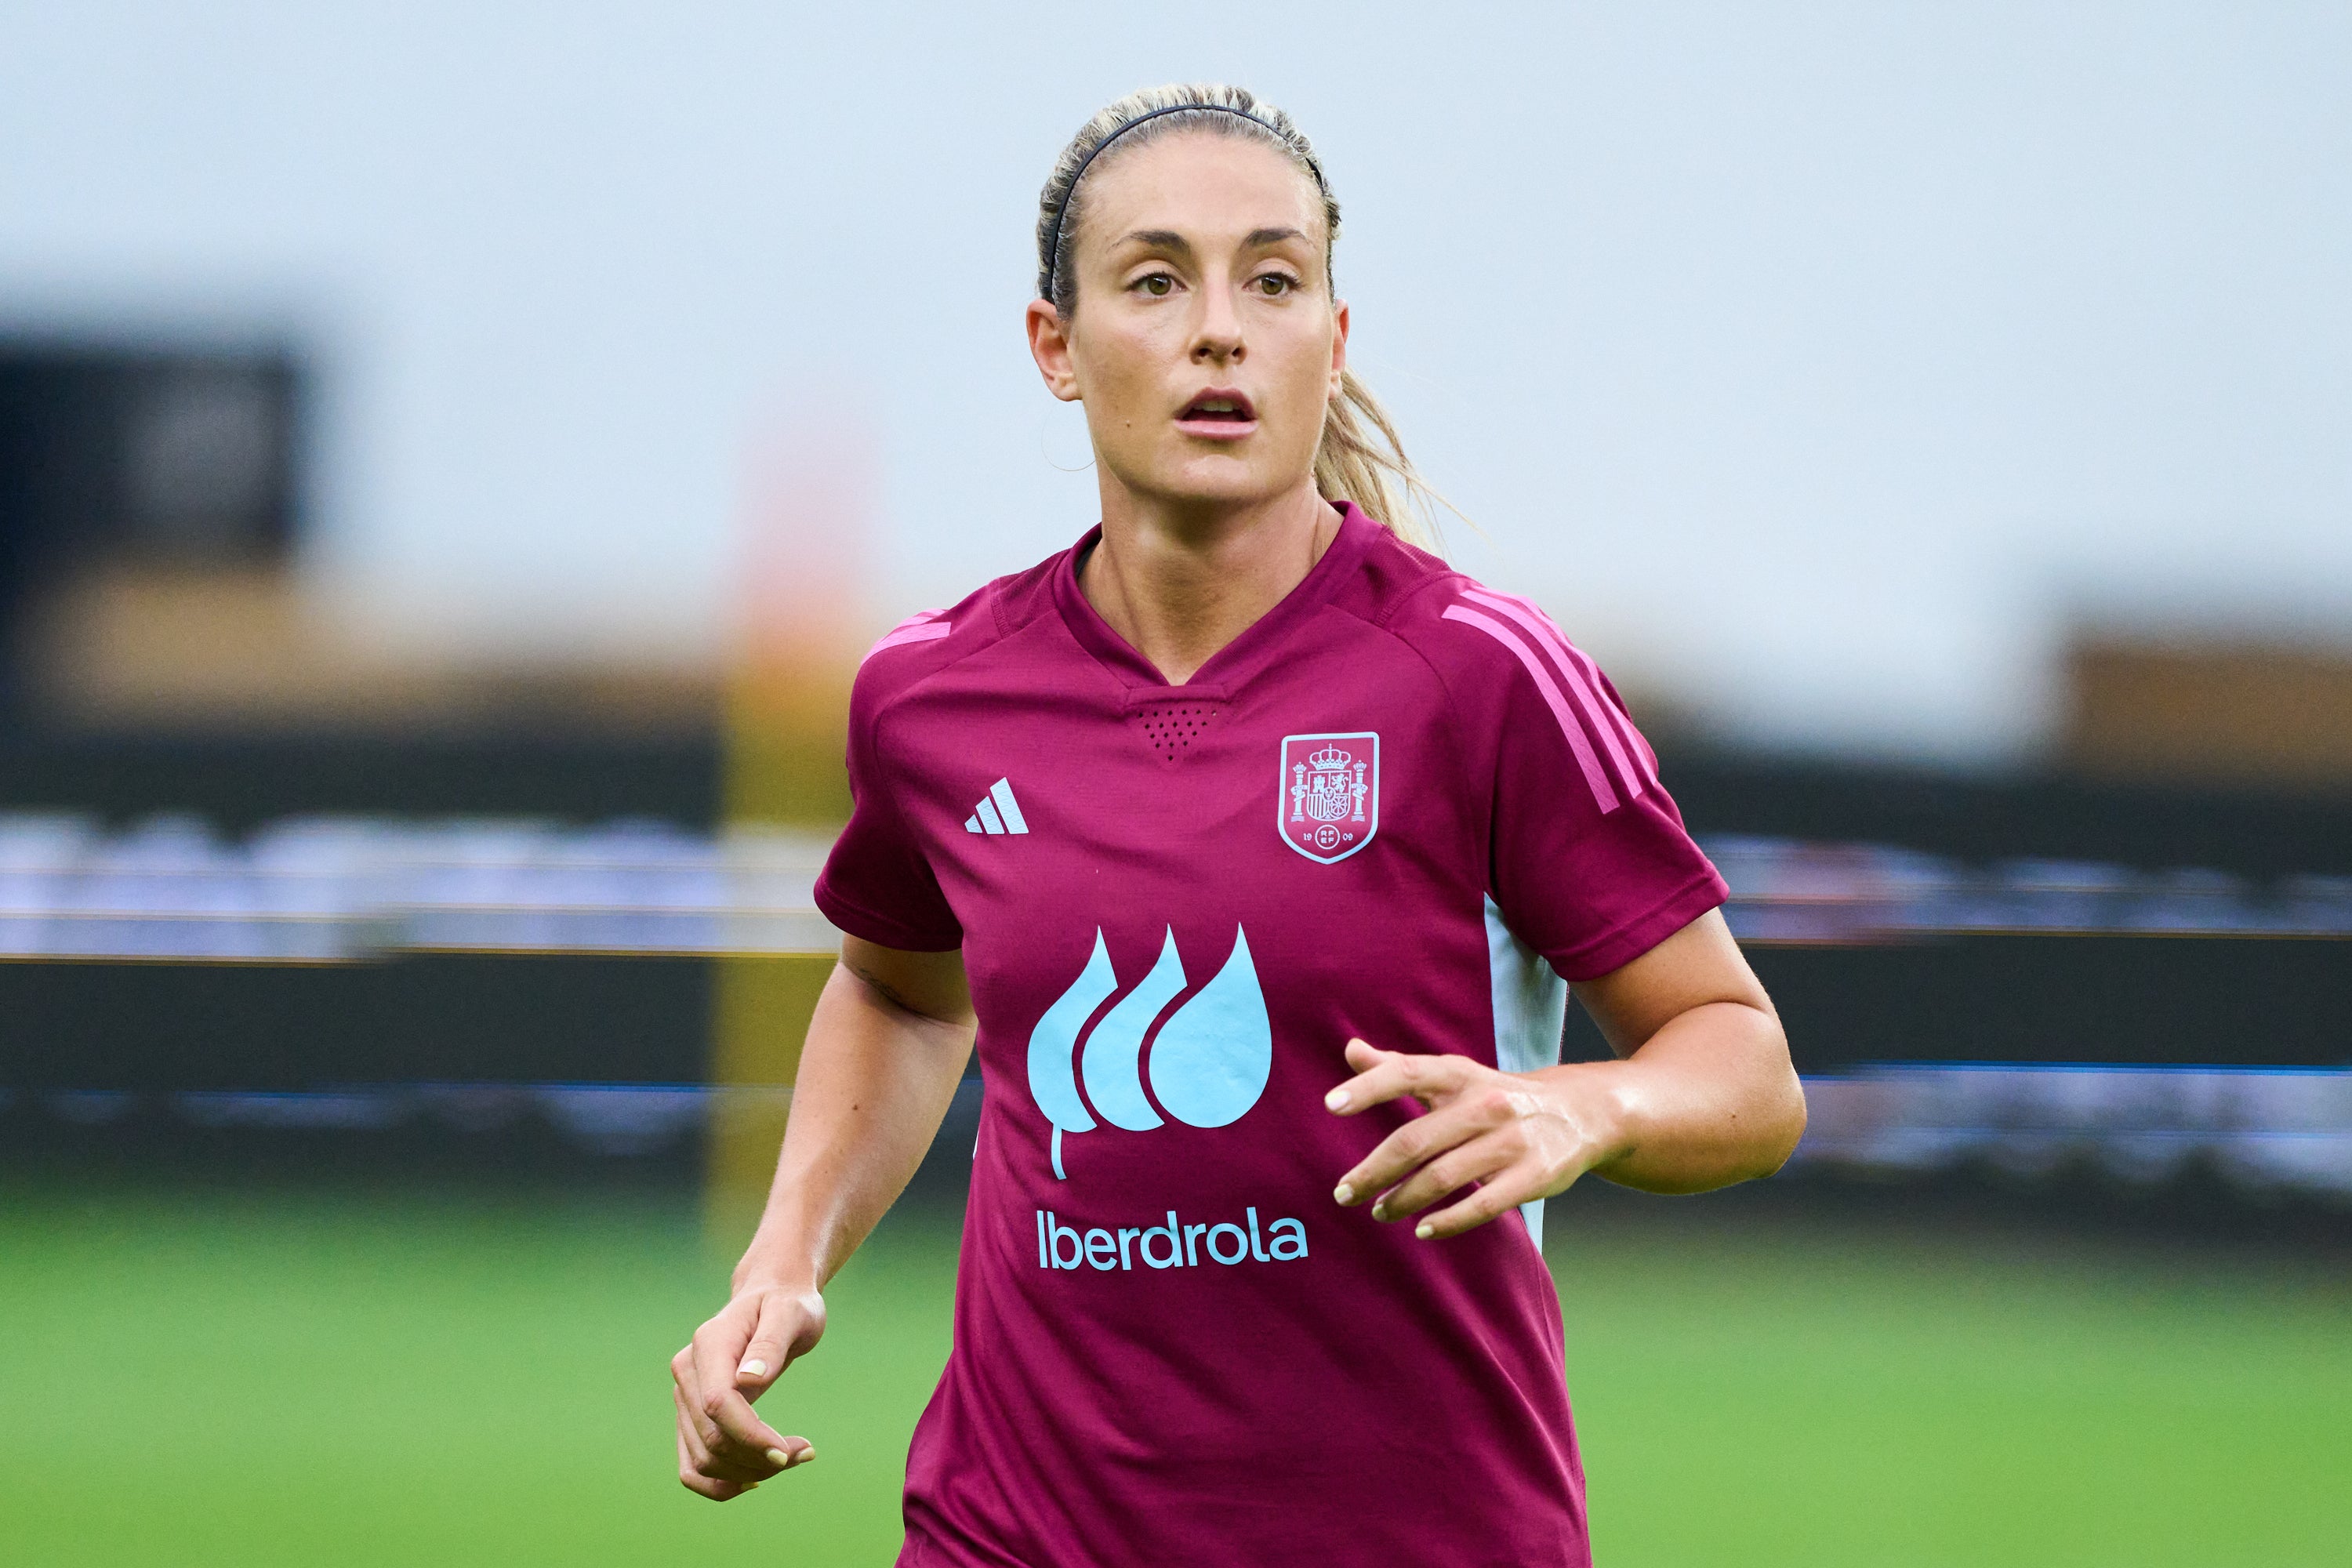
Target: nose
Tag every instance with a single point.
(1218, 337)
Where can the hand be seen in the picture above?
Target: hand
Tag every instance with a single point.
(723, 1448)
(1523, 1135)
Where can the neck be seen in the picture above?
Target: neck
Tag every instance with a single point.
(1179, 583)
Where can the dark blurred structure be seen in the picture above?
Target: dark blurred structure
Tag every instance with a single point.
(131, 461)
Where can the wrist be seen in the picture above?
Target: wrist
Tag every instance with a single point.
(1603, 1101)
(766, 1268)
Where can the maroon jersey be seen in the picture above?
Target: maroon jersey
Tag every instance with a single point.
(1399, 806)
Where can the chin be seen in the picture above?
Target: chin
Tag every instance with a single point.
(1218, 480)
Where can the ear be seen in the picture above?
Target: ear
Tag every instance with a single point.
(1338, 345)
(1049, 345)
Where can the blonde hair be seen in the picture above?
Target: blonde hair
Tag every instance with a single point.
(1359, 456)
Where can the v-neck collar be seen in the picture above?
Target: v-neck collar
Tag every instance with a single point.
(1231, 666)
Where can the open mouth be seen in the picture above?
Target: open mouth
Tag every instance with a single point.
(1218, 406)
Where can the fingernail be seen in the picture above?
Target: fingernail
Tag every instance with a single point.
(807, 1454)
(1424, 1231)
(755, 1368)
(751, 1486)
(1337, 1100)
(1379, 1211)
(779, 1458)
(1344, 1193)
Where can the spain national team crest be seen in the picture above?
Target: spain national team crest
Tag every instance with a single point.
(1330, 803)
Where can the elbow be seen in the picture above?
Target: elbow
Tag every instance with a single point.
(1787, 1125)
(1772, 1118)
(1780, 1122)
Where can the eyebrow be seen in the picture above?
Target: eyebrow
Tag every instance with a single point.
(1159, 239)
(1169, 240)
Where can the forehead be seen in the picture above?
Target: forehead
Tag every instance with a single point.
(1201, 182)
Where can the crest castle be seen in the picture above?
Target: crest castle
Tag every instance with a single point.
(1327, 787)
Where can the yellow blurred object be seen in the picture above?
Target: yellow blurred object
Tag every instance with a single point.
(787, 711)
(783, 766)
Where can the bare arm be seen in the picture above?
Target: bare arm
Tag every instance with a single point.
(886, 1048)
(1703, 1094)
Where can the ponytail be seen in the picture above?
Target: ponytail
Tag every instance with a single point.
(1349, 464)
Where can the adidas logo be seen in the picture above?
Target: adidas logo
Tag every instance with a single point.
(997, 812)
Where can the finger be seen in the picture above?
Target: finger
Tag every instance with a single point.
(1483, 1157)
(689, 1471)
(739, 1438)
(717, 1492)
(737, 1434)
(788, 1327)
(726, 1419)
(736, 1444)
(1406, 1150)
(1385, 1075)
(693, 1448)
(1504, 1192)
(685, 1388)
(717, 1349)
(1381, 1076)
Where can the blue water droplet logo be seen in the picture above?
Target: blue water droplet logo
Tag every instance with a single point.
(1209, 1063)
(1053, 1042)
(1112, 1066)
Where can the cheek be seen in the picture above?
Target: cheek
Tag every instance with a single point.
(1123, 377)
(1303, 376)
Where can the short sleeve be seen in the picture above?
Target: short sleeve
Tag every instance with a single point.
(876, 883)
(1590, 863)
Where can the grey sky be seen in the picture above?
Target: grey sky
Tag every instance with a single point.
(1812, 364)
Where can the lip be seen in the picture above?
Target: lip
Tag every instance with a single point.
(1231, 427)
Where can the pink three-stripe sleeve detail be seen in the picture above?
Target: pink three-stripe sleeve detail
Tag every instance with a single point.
(924, 627)
(1641, 749)
(1572, 665)
(1603, 795)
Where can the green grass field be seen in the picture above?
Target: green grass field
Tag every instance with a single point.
(258, 1377)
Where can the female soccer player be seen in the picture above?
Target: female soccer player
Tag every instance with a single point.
(1260, 850)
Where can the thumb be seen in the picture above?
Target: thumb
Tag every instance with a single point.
(788, 1327)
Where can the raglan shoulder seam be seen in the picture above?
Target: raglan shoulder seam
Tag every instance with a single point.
(1455, 722)
(1002, 634)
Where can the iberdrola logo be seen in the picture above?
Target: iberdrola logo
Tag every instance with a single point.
(1208, 1063)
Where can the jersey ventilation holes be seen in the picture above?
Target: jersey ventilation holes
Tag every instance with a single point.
(1171, 728)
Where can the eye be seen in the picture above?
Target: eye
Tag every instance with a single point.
(1159, 285)
(1272, 285)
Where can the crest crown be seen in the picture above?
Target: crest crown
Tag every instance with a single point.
(1331, 758)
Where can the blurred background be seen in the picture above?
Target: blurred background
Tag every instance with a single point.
(451, 458)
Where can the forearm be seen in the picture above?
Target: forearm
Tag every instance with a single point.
(1709, 1100)
(875, 1082)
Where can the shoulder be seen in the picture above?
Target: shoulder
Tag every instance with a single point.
(929, 642)
(1468, 630)
(1511, 671)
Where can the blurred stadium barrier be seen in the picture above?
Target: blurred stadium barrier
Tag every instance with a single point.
(2269, 1110)
(341, 890)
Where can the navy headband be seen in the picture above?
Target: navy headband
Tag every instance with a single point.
(1054, 248)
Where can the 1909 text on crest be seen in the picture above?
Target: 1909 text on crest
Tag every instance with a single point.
(1328, 803)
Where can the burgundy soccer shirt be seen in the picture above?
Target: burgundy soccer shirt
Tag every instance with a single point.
(1399, 806)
